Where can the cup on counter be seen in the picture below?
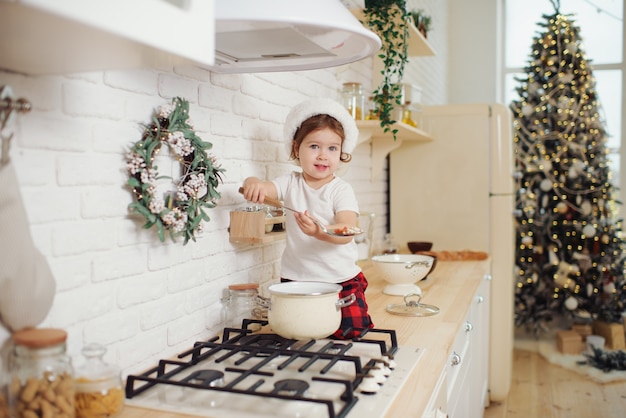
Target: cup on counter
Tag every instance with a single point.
(596, 341)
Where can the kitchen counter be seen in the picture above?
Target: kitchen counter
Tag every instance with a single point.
(450, 287)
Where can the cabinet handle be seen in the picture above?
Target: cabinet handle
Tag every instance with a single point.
(488, 276)
(468, 327)
(456, 359)
(480, 299)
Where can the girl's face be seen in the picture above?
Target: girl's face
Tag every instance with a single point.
(319, 155)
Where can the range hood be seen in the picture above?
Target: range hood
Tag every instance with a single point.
(287, 35)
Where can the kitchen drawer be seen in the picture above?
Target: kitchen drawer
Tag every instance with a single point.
(457, 359)
(459, 393)
(438, 403)
(457, 369)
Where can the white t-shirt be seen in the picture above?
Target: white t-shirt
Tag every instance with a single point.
(307, 258)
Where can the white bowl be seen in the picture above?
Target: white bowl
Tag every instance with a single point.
(402, 271)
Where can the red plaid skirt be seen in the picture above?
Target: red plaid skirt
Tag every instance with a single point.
(354, 318)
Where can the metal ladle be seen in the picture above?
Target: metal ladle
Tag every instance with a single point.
(279, 204)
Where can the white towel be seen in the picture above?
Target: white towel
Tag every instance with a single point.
(27, 286)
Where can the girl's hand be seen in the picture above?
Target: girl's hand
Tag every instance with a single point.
(307, 226)
(312, 229)
(255, 190)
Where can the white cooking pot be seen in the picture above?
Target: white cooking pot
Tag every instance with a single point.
(306, 310)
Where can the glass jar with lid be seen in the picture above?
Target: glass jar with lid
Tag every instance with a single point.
(353, 99)
(240, 302)
(41, 375)
(99, 392)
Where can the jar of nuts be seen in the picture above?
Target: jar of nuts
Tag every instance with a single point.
(41, 375)
(99, 392)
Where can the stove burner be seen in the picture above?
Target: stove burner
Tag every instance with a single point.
(266, 340)
(293, 387)
(206, 378)
(336, 348)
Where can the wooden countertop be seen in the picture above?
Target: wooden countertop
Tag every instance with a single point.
(450, 287)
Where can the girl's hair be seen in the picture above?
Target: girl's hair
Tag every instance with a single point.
(315, 123)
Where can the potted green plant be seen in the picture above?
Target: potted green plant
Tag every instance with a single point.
(389, 19)
(422, 21)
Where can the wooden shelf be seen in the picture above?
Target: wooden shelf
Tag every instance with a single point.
(418, 44)
(267, 238)
(383, 142)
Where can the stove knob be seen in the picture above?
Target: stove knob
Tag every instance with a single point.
(369, 385)
(390, 362)
(386, 371)
(378, 374)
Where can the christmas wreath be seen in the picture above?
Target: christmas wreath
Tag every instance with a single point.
(179, 211)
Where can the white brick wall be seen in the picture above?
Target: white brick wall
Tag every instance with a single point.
(117, 284)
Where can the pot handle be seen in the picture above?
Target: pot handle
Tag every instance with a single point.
(415, 263)
(347, 301)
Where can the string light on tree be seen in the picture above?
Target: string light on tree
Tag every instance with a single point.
(569, 245)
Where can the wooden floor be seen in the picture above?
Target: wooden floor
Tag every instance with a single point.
(541, 389)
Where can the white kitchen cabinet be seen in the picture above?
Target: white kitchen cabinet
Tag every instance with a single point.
(467, 369)
(64, 36)
(466, 373)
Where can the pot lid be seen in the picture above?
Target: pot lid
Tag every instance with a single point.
(412, 307)
(286, 35)
(304, 288)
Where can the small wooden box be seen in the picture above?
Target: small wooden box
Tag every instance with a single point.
(250, 227)
(569, 342)
(583, 330)
(613, 334)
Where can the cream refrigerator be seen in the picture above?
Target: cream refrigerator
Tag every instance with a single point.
(458, 192)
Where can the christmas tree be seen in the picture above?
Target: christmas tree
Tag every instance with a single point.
(569, 249)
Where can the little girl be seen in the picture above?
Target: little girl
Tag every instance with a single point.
(321, 135)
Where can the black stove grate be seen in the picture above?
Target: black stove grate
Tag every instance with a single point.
(265, 348)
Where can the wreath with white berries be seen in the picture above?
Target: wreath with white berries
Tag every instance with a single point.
(182, 211)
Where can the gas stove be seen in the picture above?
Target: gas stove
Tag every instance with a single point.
(249, 373)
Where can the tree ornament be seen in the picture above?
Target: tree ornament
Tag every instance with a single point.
(589, 231)
(584, 261)
(571, 303)
(572, 173)
(180, 211)
(608, 287)
(585, 208)
(527, 240)
(561, 208)
(561, 278)
(547, 168)
(545, 185)
(571, 47)
(527, 110)
(578, 166)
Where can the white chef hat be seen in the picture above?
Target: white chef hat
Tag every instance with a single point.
(313, 107)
